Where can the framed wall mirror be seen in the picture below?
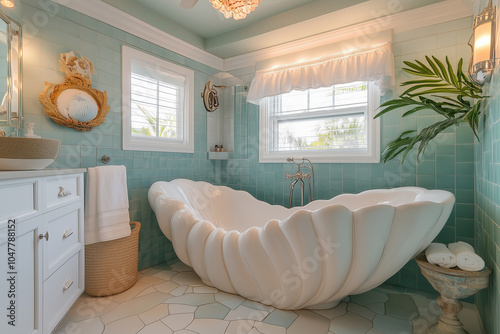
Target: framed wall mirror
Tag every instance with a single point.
(10, 76)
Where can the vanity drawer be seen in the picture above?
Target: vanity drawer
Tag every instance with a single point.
(62, 190)
(60, 291)
(19, 199)
(65, 236)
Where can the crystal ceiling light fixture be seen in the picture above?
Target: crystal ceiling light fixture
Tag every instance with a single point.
(482, 43)
(238, 9)
(7, 3)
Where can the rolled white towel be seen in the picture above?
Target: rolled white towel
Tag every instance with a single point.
(440, 255)
(467, 259)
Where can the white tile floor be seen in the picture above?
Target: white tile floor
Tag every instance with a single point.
(173, 300)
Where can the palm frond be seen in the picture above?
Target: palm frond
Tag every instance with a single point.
(444, 90)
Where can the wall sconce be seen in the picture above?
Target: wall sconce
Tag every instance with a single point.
(482, 43)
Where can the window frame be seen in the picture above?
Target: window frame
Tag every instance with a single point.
(372, 155)
(130, 142)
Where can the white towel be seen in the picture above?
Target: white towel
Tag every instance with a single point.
(440, 255)
(467, 259)
(106, 208)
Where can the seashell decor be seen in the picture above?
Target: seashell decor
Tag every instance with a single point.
(75, 103)
(71, 65)
(82, 108)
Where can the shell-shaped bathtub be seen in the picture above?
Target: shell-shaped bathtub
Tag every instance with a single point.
(303, 257)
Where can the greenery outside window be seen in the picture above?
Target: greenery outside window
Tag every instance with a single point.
(157, 104)
(327, 124)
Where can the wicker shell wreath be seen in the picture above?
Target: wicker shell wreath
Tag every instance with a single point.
(74, 103)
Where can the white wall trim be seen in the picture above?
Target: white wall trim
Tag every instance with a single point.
(413, 19)
(108, 14)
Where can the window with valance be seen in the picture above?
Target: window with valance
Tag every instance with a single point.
(323, 109)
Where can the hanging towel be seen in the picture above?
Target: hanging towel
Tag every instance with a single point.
(106, 208)
(467, 259)
(440, 255)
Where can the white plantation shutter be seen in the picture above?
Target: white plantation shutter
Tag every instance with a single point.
(156, 107)
(158, 103)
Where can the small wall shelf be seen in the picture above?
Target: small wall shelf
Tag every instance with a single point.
(218, 155)
(220, 121)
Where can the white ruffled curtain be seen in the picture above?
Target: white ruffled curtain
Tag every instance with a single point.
(374, 64)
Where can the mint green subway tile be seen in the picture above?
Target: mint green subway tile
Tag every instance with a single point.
(336, 186)
(426, 181)
(391, 180)
(465, 196)
(362, 185)
(427, 167)
(465, 153)
(408, 123)
(496, 154)
(88, 35)
(447, 235)
(451, 221)
(445, 165)
(465, 182)
(391, 132)
(445, 149)
(464, 135)
(322, 169)
(465, 228)
(349, 171)
(349, 185)
(447, 139)
(336, 172)
(377, 182)
(409, 166)
(465, 168)
(392, 166)
(392, 118)
(376, 170)
(362, 172)
(407, 180)
(324, 194)
(465, 210)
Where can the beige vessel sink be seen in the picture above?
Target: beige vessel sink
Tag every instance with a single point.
(27, 153)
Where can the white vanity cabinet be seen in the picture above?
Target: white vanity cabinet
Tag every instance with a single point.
(42, 254)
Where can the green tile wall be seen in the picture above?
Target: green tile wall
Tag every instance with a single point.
(51, 29)
(487, 205)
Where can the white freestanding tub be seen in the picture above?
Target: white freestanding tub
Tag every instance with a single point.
(303, 257)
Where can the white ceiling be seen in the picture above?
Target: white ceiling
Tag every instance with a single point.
(274, 22)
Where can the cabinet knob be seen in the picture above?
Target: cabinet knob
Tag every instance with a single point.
(46, 236)
(68, 284)
(63, 191)
(67, 233)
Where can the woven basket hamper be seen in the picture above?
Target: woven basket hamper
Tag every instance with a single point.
(111, 266)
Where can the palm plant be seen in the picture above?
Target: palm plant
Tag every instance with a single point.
(156, 127)
(448, 93)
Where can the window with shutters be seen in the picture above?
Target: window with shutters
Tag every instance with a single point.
(329, 124)
(157, 104)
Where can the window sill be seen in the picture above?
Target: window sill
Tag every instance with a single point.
(336, 158)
